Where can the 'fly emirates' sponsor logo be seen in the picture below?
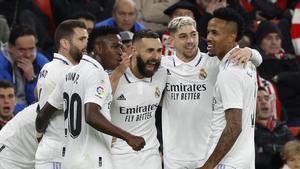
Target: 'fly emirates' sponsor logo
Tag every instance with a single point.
(138, 113)
(185, 91)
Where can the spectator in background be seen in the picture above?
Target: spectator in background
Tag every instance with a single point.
(271, 89)
(4, 29)
(124, 17)
(270, 134)
(291, 155)
(281, 68)
(181, 8)
(151, 13)
(7, 102)
(87, 18)
(20, 63)
(269, 39)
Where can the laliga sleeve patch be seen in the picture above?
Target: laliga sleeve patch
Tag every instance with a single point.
(100, 91)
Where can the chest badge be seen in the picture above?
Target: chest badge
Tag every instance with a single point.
(202, 74)
(157, 92)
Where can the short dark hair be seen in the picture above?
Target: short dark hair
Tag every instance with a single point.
(65, 30)
(229, 14)
(18, 31)
(100, 32)
(261, 88)
(6, 84)
(145, 33)
(84, 14)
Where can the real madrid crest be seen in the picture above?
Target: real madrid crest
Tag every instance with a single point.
(202, 74)
(157, 92)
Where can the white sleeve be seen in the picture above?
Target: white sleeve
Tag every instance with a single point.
(56, 97)
(97, 88)
(256, 57)
(230, 86)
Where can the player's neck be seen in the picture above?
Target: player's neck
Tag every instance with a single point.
(68, 56)
(135, 71)
(185, 59)
(227, 48)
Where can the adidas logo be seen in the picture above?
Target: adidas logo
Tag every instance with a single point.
(121, 97)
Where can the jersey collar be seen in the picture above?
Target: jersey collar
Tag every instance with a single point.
(61, 58)
(193, 63)
(131, 78)
(226, 61)
(92, 61)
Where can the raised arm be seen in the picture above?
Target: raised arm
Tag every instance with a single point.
(118, 73)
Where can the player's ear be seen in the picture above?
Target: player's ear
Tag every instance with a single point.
(98, 47)
(64, 43)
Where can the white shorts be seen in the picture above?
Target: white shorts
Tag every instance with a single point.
(148, 159)
(9, 159)
(49, 165)
(181, 164)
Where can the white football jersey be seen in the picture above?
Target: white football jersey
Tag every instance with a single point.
(84, 83)
(186, 109)
(18, 137)
(50, 148)
(133, 108)
(236, 87)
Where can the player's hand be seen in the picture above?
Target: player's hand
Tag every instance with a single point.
(137, 143)
(124, 64)
(240, 56)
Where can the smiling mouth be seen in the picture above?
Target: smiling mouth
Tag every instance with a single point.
(209, 47)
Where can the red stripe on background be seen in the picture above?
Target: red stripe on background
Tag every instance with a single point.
(295, 31)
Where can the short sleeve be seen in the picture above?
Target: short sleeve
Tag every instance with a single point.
(98, 87)
(56, 97)
(230, 86)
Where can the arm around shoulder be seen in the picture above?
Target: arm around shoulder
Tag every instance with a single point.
(255, 57)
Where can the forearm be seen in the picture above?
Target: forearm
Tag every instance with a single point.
(225, 143)
(100, 123)
(256, 57)
(228, 137)
(43, 117)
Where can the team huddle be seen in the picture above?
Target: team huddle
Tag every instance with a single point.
(86, 118)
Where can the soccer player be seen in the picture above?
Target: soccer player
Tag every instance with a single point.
(18, 142)
(135, 101)
(85, 93)
(231, 142)
(188, 95)
(71, 41)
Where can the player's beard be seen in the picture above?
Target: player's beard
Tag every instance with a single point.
(76, 53)
(142, 66)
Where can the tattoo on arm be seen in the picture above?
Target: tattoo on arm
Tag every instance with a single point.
(229, 135)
